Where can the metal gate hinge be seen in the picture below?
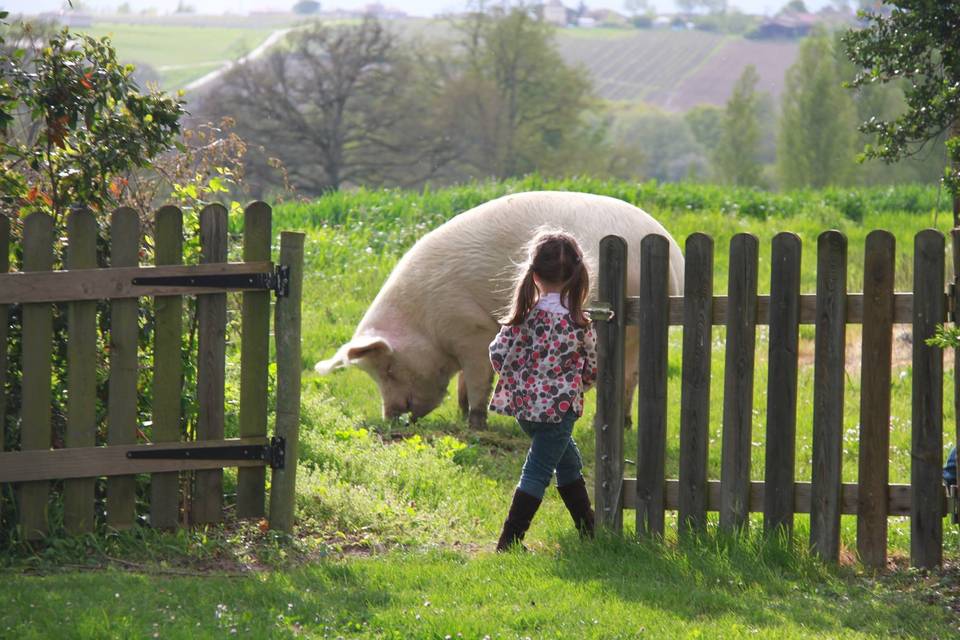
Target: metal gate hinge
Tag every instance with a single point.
(277, 280)
(599, 311)
(274, 453)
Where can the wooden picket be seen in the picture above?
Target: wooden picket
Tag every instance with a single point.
(168, 458)
(831, 309)
(167, 368)
(254, 359)
(611, 413)
(695, 392)
(876, 360)
(36, 341)
(78, 493)
(211, 362)
(782, 372)
(738, 382)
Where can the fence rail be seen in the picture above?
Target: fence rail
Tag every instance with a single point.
(79, 286)
(825, 497)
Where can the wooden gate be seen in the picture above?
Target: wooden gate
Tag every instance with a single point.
(81, 285)
(872, 499)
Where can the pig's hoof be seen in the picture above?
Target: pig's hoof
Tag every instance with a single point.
(478, 419)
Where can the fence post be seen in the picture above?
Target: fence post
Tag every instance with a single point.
(926, 517)
(652, 387)
(289, 367)
(695, 389)
(876, 351)
(254, 359)
(782, 383)
(828, 379)
(610, 416)
(167, 368)
(78, 494)
(36, 344)
(738, 382)
(122, 401)
(211, 361)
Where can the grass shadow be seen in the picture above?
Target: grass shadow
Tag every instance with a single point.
(762, 583)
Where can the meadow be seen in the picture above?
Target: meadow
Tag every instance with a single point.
(397, 520)
(198, 51)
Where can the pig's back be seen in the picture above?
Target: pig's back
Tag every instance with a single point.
(471, 260)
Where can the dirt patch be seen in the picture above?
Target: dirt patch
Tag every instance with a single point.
(901, 350)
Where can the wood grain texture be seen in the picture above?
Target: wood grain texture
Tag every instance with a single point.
(738, 382)
(782, 382)
(926, 455)
(610, 415)
(695, 387)
(122, 400)
(828, 386)
(167, 369)
(875, 378)
(283, 489)
(902, 309)
(78, 495)
(37, 340)
(112, 283)
(898, 497)
(652, 386)
(211, 352)
(254, 358)
(93, 462)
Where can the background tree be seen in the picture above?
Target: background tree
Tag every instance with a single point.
(637, 7)
(306, 7)
(337, 105)
(918, 47)
(737, 156)
(817, 122)
(75, 122)
(669, 151)
(706, 123)
(510, 100)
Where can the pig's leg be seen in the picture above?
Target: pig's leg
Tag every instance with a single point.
(631, 386)
(462, 398)
(631, 374)
(477, 377)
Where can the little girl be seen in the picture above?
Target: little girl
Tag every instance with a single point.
(545, 355)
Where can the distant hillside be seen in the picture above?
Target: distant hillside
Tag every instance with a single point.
(674, 70)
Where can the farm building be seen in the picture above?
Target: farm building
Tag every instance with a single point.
(555, 13)
(786, 25)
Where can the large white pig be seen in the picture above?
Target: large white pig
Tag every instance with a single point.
(437, 312)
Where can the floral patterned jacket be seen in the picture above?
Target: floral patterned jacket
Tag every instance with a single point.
(545, 365)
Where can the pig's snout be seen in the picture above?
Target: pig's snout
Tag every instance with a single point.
(408, 405)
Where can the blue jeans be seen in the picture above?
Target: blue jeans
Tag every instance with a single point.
(552, 449)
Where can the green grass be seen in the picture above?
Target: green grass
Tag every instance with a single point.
(397, 521)
(610, 589)
(179, 54)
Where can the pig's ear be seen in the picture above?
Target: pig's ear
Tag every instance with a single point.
(348, 354)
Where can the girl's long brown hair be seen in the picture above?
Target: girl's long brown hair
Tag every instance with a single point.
(555, 258)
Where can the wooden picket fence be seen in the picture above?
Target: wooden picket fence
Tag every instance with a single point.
(80, 286)
(825, 497)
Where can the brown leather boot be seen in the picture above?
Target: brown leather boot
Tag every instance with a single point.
(577, 501)
(522, 510)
